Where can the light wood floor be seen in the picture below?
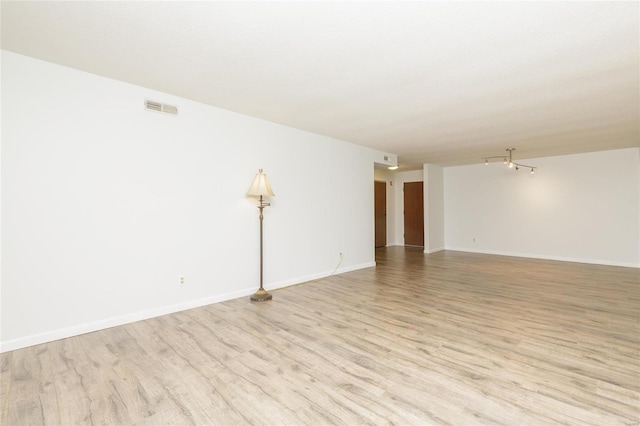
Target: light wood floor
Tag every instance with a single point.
(446, 338)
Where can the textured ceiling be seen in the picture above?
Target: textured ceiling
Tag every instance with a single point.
(437, 82)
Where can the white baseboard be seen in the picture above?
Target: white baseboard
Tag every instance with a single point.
(287, 283)
(90, 327)
(546, 257)
(433, 250)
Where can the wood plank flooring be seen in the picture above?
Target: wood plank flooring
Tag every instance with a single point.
(446, 338)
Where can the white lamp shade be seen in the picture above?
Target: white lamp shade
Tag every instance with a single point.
(260, 186)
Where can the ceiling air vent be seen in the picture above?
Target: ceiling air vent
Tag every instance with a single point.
(159, 107)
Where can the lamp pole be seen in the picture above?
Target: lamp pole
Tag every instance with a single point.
(261, 295)
(260, 188)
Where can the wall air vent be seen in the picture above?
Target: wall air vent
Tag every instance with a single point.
(159, 107)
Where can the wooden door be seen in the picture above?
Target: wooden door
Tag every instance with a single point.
(380, 195)
(413, 214)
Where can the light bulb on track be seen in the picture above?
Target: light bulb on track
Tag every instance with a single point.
(507, 160)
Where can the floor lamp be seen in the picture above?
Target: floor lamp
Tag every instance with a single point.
(261, 188)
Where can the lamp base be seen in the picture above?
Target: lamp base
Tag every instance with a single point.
(261, 296)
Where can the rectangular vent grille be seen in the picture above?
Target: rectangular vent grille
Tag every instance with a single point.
(159, 107)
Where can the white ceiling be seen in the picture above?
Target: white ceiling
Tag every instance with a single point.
(439, 82)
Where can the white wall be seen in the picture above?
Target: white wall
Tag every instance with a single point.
(105, 205)
(583, 208)
(434, 208)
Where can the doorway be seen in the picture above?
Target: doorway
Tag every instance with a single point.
(380, 196)
(413, 214)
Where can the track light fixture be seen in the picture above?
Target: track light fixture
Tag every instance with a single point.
(508, 161)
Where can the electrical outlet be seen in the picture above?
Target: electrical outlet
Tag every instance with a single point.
(181, 281)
